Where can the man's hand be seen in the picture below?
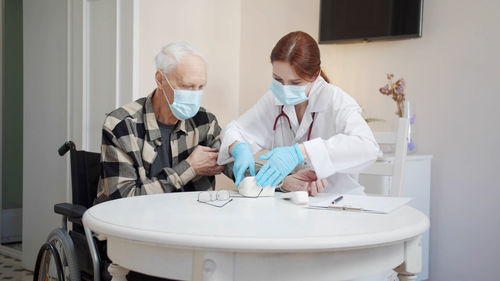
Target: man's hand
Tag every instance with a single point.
(204, 161)
(304, 180)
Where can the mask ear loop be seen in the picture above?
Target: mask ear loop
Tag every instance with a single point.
(170, 85)
(165, 76)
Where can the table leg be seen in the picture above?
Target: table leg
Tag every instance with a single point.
(412, 265)
(212, 266)
(117, 272)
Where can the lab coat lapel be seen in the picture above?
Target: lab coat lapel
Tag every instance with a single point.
(318, 99)
(317, 103)
(290, 112)
(301, 134)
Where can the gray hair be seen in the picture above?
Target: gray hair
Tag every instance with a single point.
(170, 55)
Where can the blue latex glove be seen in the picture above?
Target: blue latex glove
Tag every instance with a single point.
(280, 162)
(243, 160)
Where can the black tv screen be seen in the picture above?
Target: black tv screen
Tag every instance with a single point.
(366, 20)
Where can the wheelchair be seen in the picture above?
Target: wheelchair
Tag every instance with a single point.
(74, 254)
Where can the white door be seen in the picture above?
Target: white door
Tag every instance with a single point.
(79, 60)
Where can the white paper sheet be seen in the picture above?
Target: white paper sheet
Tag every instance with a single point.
(375, 204)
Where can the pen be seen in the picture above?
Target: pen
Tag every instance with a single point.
(336, 200)
(346, 208)
(342, 208)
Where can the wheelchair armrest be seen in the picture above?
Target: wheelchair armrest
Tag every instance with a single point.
(72, 211)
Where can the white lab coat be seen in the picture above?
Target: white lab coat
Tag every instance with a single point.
(341, 143)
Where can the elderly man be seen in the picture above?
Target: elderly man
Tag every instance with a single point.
(164, 142)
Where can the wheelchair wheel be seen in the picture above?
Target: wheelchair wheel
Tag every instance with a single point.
(61, 240)
(48, 264)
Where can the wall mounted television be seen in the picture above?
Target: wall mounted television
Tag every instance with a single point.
(368, 20)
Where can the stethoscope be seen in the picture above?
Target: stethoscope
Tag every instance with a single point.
(283, 114)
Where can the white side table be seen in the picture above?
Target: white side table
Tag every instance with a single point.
(417, 186)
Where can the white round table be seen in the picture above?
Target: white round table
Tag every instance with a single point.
(173, 235)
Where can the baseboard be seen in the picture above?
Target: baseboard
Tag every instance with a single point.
(12, 225)
(13, 253)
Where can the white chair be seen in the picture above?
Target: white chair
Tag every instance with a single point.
(396, 168)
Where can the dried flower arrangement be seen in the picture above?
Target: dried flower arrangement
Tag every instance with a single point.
(396, 90)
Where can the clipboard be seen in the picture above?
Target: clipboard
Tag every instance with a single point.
(360, 203)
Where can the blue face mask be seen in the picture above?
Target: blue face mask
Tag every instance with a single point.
(186, 102)
(288, 94)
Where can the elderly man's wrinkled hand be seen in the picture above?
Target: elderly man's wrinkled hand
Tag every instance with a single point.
(203, 160)
(305, 180)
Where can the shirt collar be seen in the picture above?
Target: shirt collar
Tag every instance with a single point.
(316, 98)
(150, 123)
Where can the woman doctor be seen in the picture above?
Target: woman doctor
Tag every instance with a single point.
(308, 124)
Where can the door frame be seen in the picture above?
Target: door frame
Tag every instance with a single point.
(4, 250)
(1, 115)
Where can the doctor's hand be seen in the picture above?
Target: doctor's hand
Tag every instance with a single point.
(243, 160)
(304, 180)
(280, 162)
(203, 159)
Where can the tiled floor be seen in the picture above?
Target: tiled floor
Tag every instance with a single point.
(11, 269)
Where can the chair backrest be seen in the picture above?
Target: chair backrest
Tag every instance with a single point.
(85, 173)
(395, 168)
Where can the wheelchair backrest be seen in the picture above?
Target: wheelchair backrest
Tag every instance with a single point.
(85, 172)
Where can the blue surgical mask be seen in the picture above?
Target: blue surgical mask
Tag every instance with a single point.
(288, 94)
(186, 102)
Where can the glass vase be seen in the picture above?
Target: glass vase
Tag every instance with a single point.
(410, 114)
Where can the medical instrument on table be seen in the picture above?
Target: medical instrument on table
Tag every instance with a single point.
(336, 200)
(297, 197)
(212, 197)
(248, 188)
(292, 136)
(243, 160)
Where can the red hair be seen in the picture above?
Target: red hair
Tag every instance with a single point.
(301, 51)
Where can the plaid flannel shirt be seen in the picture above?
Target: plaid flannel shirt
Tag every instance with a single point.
(130, 136)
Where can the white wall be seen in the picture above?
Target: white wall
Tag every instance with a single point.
(263, 23)
(212, 26)
(451, 75)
